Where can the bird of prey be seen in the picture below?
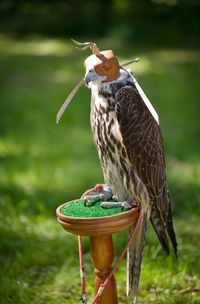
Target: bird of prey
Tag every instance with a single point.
(128, 139)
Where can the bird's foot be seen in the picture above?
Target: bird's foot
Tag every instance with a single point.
(109, 205)
(99, 192)
(128, 204)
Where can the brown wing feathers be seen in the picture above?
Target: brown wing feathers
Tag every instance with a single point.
(143, 142)
(141, 137)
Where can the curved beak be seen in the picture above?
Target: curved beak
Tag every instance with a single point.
(89, 76)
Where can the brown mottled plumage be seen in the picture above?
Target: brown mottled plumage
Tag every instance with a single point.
(130, 148)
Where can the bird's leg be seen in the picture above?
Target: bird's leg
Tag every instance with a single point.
(100, 192)
(103, 192)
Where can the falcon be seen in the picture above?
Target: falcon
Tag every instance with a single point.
(128, 139)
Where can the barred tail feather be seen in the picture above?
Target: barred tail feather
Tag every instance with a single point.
(160, 230)
(135, 256)
(170, 230)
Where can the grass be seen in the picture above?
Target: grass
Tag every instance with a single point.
(92, 209)
(43, 165)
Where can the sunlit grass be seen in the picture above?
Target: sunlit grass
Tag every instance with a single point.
(35, 46)
(43, 165)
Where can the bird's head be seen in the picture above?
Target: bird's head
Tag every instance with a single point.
(101, 66)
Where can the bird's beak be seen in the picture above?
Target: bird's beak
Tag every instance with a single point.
(89, 76)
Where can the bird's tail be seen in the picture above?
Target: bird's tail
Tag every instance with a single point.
(162, 221)
(134, 256)
(170, 230)
(159, 228)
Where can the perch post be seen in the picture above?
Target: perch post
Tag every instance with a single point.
(102, 255)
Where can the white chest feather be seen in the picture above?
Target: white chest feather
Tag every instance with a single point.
(106, 134)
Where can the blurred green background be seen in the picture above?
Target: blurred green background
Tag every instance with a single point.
(43, 164)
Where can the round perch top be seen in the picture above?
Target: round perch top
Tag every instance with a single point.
(105, 63)
(96, 226)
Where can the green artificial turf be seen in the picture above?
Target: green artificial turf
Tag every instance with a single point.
(93, 209)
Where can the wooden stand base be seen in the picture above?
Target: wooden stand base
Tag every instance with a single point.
(100, 230)
(102, 255)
